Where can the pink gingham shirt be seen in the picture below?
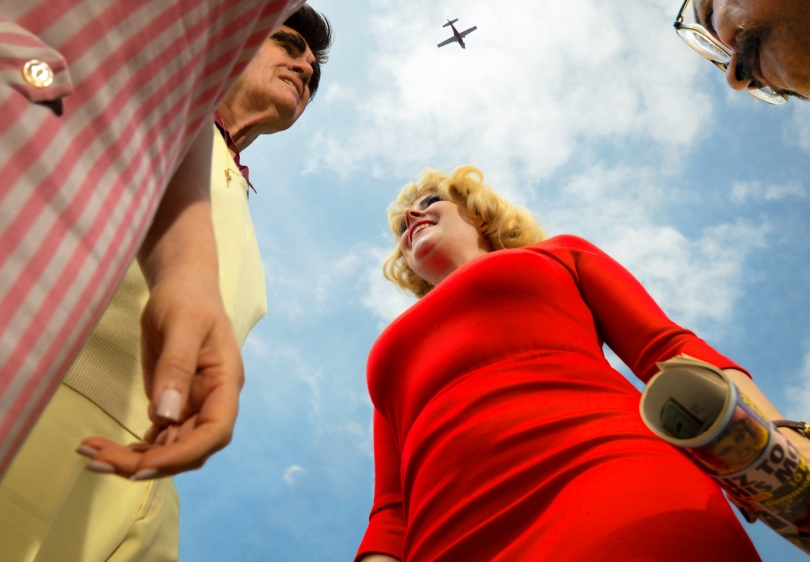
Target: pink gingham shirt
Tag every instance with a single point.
(133, 81)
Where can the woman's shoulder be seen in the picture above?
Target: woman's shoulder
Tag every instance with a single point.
(564, 242)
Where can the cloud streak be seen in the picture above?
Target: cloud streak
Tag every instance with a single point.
(631, 213)
(580, 70)
(533, 98)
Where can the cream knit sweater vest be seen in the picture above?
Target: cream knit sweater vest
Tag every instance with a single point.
(108, 369)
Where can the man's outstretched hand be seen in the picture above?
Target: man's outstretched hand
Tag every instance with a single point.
(193, 374)
(191, 360)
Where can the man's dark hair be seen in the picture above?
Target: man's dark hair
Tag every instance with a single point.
(317, 32)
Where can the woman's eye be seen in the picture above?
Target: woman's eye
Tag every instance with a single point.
(431, 200)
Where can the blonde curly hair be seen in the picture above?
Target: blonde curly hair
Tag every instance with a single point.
(506, 225)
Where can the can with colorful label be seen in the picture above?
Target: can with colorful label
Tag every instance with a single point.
(695, 407)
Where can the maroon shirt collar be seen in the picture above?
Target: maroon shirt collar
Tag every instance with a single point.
(232, 145)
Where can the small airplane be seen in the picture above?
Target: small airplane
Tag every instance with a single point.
(457, 37)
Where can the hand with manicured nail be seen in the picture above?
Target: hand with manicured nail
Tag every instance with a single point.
(195, 402)
(191, 360)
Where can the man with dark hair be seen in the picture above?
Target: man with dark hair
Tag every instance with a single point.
(279, 82)
(762, 45)
(103, 516)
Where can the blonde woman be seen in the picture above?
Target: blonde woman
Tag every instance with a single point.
(500, 430)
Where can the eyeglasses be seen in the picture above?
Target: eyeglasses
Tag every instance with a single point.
(697, 37)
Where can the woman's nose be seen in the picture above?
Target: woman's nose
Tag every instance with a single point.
(412, 215)
(735, 77)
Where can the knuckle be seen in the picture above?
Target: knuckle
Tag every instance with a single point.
(179, 362)
(226, 439)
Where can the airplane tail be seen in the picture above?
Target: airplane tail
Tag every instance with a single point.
(450, 22)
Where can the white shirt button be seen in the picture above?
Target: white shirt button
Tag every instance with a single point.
(38, 74)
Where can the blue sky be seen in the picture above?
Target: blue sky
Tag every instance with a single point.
(598, 118)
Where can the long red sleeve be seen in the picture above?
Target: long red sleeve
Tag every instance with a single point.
(386, 524)
(627, 318)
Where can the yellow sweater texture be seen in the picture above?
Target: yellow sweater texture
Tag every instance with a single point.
(108, 369)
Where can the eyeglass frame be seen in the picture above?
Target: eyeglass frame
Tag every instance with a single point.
(696, 27)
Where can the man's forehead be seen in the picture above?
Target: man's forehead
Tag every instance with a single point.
(287, 29)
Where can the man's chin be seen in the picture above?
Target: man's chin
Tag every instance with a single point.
(288, 115)
(281, 122)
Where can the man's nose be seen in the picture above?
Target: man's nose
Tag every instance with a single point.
(302, 67)
(734, 77)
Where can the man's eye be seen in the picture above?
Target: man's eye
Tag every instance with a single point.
(287, 47)
(708, 20)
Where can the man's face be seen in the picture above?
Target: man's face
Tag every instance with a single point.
(770, 40)
(274, 89)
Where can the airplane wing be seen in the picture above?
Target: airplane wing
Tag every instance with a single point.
(468, 31)
(447, 42)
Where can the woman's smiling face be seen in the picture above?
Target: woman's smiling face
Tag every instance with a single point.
(438, 236)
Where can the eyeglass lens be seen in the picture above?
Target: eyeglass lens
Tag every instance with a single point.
(696, 37)
(703, 45)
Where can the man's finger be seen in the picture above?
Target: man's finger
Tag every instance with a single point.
(175, 368)
(111, 457)
(186, 453)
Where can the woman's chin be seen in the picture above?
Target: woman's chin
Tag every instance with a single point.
(421, 248)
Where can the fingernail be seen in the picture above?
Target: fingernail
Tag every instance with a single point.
(86, 451)
(100, 467)
(169, 404)
(144, 474)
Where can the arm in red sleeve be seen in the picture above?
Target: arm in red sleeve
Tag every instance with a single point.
(386, 524)
(627, 318)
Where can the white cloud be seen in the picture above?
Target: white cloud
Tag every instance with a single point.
(287, 361)
(797, 130)
(292, 473)
(628, 213)
(337, 91)
(383, 298)
(757, 191)
(582, 73)
(304, 287)
(333, 272)
(581, 70)
(255, 344)
(798, 397)
(315, 288)
(698, 280)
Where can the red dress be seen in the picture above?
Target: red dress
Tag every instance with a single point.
(502, 433)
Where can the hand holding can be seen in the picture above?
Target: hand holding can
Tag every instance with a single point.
(695, 407)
